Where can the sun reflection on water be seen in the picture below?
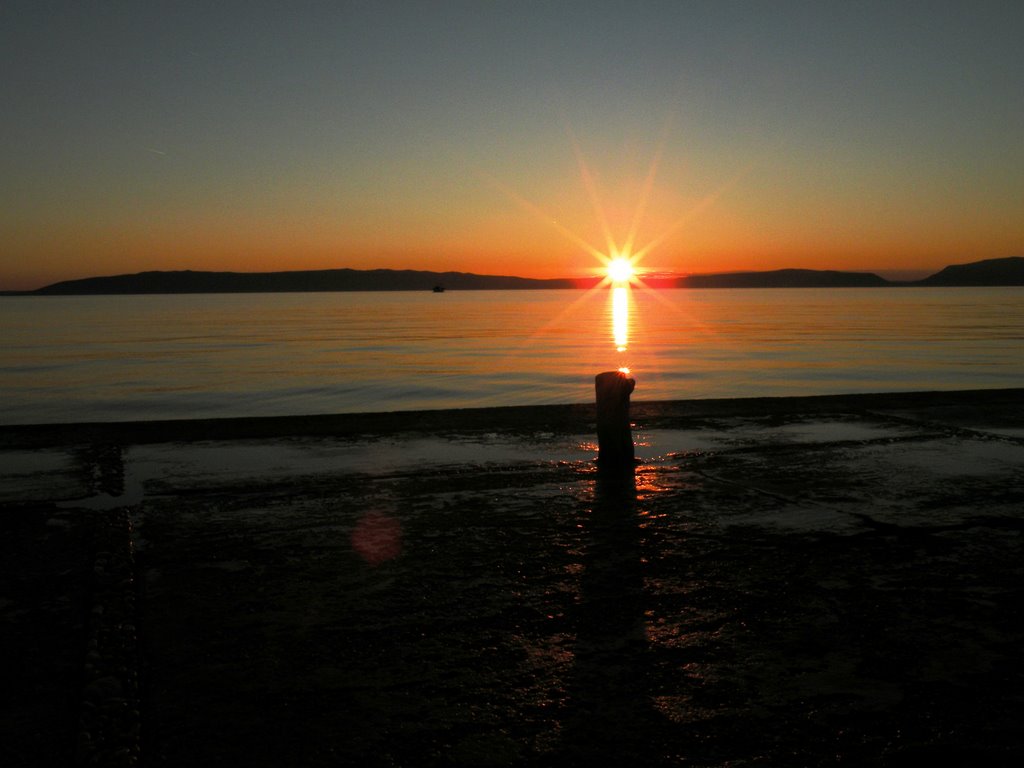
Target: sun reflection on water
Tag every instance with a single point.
(620, 317)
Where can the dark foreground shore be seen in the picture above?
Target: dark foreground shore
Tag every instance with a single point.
(797, 581)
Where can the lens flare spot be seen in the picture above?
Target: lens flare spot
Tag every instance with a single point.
(377, 538)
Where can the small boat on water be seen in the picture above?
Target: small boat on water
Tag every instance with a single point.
(438, 289)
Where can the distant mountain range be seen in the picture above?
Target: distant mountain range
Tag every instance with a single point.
(1007, 271)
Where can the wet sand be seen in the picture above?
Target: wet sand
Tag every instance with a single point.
(797, 581)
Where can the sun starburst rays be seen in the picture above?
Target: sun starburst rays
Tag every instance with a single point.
(619, 259)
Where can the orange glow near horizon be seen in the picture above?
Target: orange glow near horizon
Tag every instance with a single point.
(611, 225)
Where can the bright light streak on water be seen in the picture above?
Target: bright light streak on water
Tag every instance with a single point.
(620, 317)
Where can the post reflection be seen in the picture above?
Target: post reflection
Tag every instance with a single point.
(611, 717)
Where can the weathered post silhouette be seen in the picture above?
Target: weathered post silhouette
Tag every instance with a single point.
(614, 437)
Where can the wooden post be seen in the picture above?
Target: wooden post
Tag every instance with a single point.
(614, 438)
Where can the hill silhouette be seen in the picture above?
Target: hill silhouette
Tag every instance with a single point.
(785, 278)
(188, 281)
(1008, 271)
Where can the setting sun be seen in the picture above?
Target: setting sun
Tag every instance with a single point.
(620, 270)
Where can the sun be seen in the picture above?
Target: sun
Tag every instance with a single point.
(620, 270)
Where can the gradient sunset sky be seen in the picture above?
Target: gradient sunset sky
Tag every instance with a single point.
(499, 138)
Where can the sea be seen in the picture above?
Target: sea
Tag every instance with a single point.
(126, 358)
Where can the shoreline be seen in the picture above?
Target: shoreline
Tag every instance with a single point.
(782, 580)
(575, 418)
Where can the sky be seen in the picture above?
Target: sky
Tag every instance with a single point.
(508, 138)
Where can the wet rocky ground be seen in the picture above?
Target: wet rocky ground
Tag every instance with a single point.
(799, 582)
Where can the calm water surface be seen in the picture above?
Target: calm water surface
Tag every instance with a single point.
(182, 356)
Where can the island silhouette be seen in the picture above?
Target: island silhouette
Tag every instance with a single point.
(989, 272)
